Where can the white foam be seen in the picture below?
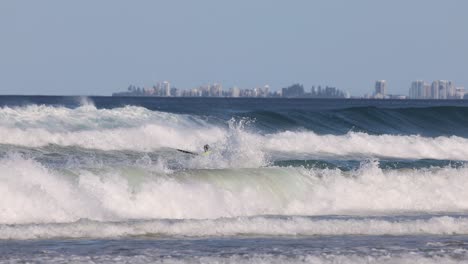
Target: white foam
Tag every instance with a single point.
(139, 129)
(88, 117)
(32, 193)
(144, 138)
(153, 256)
(259, 226)
(362, 144)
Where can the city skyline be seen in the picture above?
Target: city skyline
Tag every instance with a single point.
(419, 89)
(438, 89)
(94, 48)
(164, 89)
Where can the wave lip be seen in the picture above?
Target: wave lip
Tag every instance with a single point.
(429, 121)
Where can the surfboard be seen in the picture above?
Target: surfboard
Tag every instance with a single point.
(187, 152)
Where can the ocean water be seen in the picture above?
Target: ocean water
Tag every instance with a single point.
(101, 180)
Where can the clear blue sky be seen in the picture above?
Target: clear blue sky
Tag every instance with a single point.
(89, 47)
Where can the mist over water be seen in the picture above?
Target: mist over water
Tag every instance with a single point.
(85, 170)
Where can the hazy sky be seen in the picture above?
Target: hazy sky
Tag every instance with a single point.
(91, 47)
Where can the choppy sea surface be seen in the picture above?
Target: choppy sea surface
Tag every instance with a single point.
(101, 180)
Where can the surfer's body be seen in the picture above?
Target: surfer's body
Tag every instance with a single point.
(206, 150)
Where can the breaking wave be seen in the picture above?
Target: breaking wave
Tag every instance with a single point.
(138, 129)
(34, 193)
(68, 172)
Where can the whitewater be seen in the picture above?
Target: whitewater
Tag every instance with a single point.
(102, 180)
(138, 129)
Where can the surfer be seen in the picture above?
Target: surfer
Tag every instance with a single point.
(206, 150)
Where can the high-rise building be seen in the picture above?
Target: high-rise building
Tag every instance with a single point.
(460, 92)
(295, 90)
(380, 89)
(175, 92)
(443, 89)
(435, 90)
(427, 90)
(266, 90)
(419, 90)
(204, 90)
(216, 90)
(235, 92)
(166, 88)
(451, 90)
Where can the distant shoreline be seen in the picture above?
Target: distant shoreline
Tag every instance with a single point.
(228, 97)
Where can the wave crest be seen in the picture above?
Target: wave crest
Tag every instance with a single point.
(33, 193)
